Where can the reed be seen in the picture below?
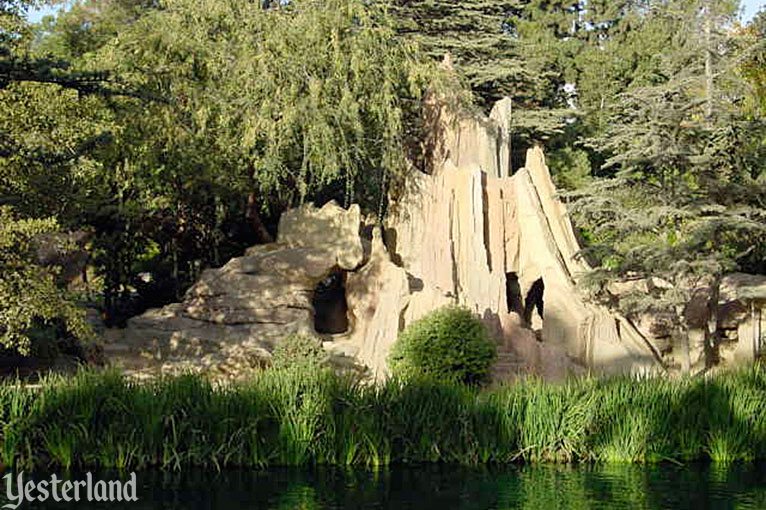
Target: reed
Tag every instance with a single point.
(286, 417)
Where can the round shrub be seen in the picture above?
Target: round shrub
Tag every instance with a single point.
(447, 343)
(298, 351)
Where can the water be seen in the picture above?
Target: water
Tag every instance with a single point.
(697, 487)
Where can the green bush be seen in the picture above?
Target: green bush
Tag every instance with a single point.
(298, 351)
(447, 343)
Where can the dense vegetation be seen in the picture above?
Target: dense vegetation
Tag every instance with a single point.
(172, 133)
(298, 352)
(448, 343)
(291, 417)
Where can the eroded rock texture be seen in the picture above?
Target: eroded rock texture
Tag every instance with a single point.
(472, 231)
(232, 317)
(741, 318)
(499, 242)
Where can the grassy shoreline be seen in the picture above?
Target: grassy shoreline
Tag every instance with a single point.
(101, 420)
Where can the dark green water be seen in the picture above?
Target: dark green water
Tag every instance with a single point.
(695, 487)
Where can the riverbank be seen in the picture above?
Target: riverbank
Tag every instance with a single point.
(101, 420)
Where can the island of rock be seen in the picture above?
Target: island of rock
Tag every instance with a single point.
(472, 231)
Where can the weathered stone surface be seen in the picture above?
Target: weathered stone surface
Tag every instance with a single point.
(470, 226)
(233, 316)
(376, 295)
(471, 233)
(655, 326)
(742, 307)
(468, 141)
(330, 228)
(743, 287)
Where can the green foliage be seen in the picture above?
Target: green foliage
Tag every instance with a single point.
(570, 168)
(302, 418)
(499, 50)
(447, 343)
(180, 113)
(29, 295)
(288, 103)
(154, 122)
(681, 197)
(476, 33)
(298, 352)
(753, 68)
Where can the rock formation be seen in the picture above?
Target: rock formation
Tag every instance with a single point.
(741, 318)
(232, 317)
(472, 231)
(499, 242)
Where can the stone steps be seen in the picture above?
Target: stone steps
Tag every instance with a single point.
(507, 365)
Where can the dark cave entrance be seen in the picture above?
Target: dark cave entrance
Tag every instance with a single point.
(519, 148)
(330, 306)
(513, 299)
(534, 300)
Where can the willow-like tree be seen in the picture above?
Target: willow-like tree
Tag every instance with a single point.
(312, 99)
(214, 101)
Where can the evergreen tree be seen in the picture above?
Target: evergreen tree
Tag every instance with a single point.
(684, 202)
(480, 36)
(753, 67)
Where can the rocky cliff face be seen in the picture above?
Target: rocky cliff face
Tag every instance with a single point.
(498, 241)
(231, 319)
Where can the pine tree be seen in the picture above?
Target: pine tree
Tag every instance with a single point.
(753, 67)
(480, 36)
(684, 202)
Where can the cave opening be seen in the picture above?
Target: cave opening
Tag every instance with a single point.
(519, 148)
(534, 300)
(330, 306)
(513, 300)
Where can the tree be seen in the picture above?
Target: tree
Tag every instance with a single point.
(480, 36)
(29, 296)
(295, 101)
(225, 109)
(502, 49)
(753, 67)
(683, 202)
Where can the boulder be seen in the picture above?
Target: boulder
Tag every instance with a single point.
(376, 295)
(742, 312)
(233, 316)
(743, 287)
(330, 228)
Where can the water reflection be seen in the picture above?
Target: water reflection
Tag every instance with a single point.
(445, 487)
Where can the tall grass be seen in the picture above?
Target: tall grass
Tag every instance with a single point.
(99, 419)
